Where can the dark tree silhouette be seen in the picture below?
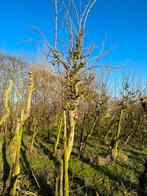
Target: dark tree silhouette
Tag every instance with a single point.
(143, 101)
(143, 181)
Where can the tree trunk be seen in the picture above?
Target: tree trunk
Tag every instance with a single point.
(81, 138)
(66, 158)
(71, 131)
(58, 134)
(33, 139)
(115, 148)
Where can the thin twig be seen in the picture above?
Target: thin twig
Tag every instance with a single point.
(84, 12)
(72, 26)
(76, 11)
(88, 11)
(56, 23)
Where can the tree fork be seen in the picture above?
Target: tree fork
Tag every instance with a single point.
(16, 141)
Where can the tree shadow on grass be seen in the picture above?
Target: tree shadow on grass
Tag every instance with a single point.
(36, 180)
(6, 166)
(136, 156)
(141, 153)
(47, 152)
(113, 176)
(78, 186)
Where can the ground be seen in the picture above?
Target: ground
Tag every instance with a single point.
(94, 174)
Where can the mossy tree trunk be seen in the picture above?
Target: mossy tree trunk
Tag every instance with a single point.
(60, 122)
(6, 99)
(35, 131)
(87, 137)
(81, 144)
(116, 140)
(16, 143)
(16, 166)
(66, 157)
(59, 178)
(71, 132)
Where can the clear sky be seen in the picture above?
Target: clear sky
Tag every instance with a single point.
(124, 22)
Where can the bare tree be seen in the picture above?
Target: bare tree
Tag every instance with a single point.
(74, 60)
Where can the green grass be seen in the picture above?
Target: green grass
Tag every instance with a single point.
(93, 172)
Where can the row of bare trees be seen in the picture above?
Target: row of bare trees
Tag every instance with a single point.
(70, 99)
(85, 112)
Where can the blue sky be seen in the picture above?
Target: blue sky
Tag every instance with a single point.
(123, 21)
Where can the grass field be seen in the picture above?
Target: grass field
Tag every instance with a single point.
(95, 173)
